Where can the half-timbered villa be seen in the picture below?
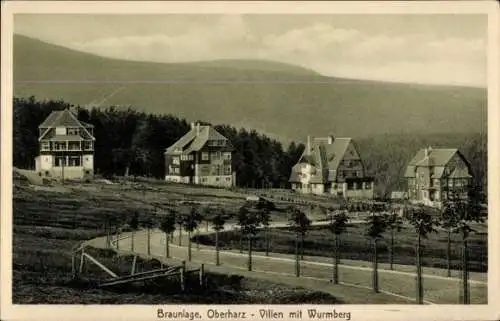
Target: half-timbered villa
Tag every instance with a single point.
(331, 165)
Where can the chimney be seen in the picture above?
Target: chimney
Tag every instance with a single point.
(192, 125)
(330, 139)
(426, 152)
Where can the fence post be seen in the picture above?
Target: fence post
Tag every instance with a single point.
(202, 275)
(183, 276)
(82, 257)
(133, 265)
(73, 267)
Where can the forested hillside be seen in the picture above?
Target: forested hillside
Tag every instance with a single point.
(128, 138)
(386, 156)
(283, 101)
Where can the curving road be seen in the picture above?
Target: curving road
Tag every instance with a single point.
(314, 270)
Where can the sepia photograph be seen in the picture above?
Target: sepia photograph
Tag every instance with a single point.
(279, 158)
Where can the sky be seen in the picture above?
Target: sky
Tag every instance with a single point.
(418, 48)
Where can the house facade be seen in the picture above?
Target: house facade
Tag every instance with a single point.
(331, 166)
(437, 174)
(202, 156)
(66, 147)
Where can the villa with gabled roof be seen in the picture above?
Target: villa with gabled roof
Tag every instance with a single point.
(437, 174)
(66, 147)
(202, 156)
(331, 165)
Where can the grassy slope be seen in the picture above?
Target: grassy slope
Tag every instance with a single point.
(47, 225)
(342, 107)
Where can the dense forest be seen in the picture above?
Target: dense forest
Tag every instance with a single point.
(135, 140)
(126, 138)
(386, 156)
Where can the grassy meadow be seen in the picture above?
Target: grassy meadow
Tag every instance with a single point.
(50, 221)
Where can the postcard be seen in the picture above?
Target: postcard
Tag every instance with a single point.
(250, 160)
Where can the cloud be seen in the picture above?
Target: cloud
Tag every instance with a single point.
(421, 57)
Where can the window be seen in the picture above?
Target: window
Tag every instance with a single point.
(350, 185)
(87, 145)
(60, 161)
(228, 179)
(216, 179)
(175, 160)
(45, 146)
(215, 155)
(73, 145)
(73, 131)
(368, 185)
(59, 146)
(74, 161)
(204, 156)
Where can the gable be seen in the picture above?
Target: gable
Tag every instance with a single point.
(63, 119)
(351, 152)
(458, 165)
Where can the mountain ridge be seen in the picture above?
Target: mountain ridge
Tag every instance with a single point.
(288, 101)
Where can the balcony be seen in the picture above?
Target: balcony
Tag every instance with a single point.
(66, 146)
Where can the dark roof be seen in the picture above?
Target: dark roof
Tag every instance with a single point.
(325, 157)
(50, 119)
(63, 118)
(437, 159)
(195, 139)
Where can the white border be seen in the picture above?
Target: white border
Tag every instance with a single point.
(359, 312)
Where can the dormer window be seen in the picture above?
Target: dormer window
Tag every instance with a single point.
(60, 130)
